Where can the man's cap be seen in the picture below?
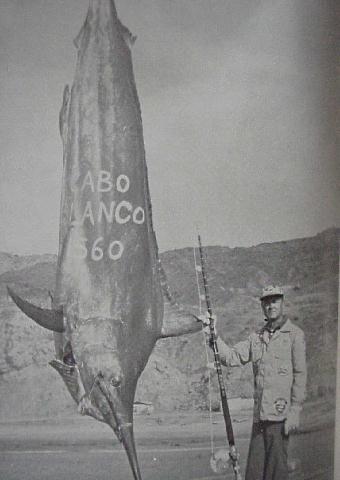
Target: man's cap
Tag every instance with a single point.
(271, 291)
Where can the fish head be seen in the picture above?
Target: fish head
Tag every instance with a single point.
(95, 346)
(108, 375)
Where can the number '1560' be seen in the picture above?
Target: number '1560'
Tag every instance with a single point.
(97, 251)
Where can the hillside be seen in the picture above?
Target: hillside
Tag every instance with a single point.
(307, 268)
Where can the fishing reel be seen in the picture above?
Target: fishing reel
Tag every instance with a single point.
(222, 460)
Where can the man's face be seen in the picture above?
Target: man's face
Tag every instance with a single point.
(272, 308)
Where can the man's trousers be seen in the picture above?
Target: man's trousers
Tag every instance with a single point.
(268, 452)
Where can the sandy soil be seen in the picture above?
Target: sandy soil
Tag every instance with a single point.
(172, 446)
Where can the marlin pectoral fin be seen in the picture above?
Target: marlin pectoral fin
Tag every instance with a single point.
(50, 319)
(176, 320)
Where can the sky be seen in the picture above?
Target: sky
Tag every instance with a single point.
(238, 102)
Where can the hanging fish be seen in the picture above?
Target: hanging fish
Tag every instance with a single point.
(111, 294)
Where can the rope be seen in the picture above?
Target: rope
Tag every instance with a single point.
(197, 269)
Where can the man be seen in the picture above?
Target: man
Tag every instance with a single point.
(277, 353)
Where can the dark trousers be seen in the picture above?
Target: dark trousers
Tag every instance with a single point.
(268, 452)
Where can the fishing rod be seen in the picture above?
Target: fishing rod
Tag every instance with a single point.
(233, 454)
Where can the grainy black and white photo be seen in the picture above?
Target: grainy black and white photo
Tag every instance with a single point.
(169, 250)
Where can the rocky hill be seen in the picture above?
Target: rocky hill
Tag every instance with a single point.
(307, 269)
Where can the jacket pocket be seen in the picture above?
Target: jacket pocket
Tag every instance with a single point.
(282, 370)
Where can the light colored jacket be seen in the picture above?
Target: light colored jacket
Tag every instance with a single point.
(279, 367)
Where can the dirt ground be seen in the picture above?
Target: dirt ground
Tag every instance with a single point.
(172, 446)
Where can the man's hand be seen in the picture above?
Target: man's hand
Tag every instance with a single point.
(292, 421)
(205, 319)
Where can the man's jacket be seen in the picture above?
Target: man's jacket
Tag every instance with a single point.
(279, 367)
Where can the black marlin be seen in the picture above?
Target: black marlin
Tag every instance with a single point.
(111, 296)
